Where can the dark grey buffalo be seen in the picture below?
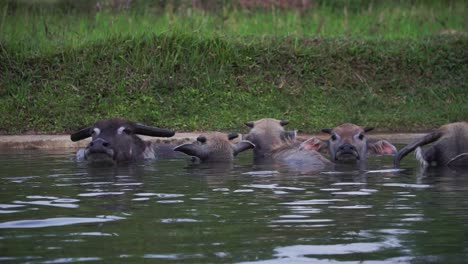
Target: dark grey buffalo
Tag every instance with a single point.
(348, 143)
(116, 140)
(449, 148)
(215, 147)
(273, 143)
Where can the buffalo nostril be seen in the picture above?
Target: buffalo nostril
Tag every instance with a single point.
(105, 144)
(347, 148)
(91, 144)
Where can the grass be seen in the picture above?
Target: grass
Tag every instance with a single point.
(192, 70)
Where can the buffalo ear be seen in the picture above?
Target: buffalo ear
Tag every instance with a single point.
(153, 131)
(250, 124)
(367, 129)
(243, 145)
(232, 136)
(314, 144)
(82, 134)
(382, 147)
(191, 150)
(284, 122)
(327, 130)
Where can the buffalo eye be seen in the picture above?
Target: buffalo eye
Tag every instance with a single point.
(333, 137)
(127, 131)
(124, 130)
(361, 136)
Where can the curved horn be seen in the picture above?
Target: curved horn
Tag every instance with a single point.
(82, 134)
(429, 138)
(232, 136)
(327, 130)
(192, 150)
(284, 122)
(367, 129)
(153, 131)
(250, 124)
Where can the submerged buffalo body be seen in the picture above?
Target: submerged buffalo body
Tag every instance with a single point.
(215, 147)
(116, 140)
(449, 148)
(348, 143)
(272, 142)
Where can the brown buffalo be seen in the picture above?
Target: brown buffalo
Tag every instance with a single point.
(273, 143)
(348, 142)
(267, 134)
(449, 148)
(215, 147)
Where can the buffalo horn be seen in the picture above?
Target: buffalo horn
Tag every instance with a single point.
(82, 134)
(232, 136)
(284, 122)
(250, 124)
(153, 131)
(429, 138)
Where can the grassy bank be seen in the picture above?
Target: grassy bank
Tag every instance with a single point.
(195, 73)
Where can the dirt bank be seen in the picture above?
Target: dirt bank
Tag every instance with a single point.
(64, 142)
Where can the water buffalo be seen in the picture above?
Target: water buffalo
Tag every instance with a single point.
(449, 148)
(215, 147)
(116, 140)
(273, 143)
(348, 142)
(267, 134)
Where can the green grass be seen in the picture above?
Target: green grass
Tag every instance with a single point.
(213, 71)
(48, 30)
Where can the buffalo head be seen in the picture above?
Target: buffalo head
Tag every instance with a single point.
(215, 147)
(116, 140)
(267, 134)
(348, 142)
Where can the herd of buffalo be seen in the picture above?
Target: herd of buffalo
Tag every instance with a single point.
(116, 140)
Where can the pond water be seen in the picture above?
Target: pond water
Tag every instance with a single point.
(55, 210)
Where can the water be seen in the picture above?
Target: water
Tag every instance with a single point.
(54, 210)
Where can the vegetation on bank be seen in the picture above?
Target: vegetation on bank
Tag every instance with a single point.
(194, 72)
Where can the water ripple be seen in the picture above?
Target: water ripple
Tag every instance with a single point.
(7, 206)
(351, 207)
(99, 194)
(179, 220)
(302, 221)
(337, 249)
(406, 185)
(59, 221)
(260, 173)
(71, 260)
(315, 201)
(352, 193)
(49, 203)
(9, 211)
(273, 187)
(160, 195)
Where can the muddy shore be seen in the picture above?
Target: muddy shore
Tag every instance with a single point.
(8, 142)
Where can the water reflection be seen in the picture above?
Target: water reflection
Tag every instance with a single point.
(56, 210)
(59, 221)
